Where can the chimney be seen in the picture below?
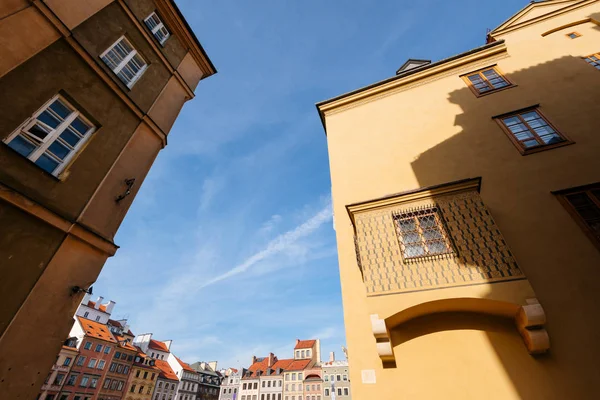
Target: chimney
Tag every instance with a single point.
(110, 306)
(272, 359)
(253, 359)
(168, 344)
(297, 341)
(213, 365)
(86, 298)
(331, 356)
(318, 351)
(98, 302)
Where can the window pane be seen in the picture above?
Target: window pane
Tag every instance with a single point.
(432, 234)
(438, 247)
(38, 131)
(80, 126)
(511, 121)
(59, 150)
(528, 116)
(407, 225)
(49, 119)
(551, 139)
(60, 109)
(22, 146)
(70, 137)
(427, 221)
(587, 209)
(530, 143)
(47, 163)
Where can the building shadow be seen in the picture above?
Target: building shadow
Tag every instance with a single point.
(561, 264)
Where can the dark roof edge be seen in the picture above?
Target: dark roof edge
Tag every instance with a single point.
(421, 189)
(405, 74)
(187, 26)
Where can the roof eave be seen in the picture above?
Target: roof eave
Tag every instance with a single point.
(400, 76)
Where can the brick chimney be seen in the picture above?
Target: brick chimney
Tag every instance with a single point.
(253, 359)
(272, 360)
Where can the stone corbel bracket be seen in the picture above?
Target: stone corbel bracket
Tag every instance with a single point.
(382, 337)
(530, 320)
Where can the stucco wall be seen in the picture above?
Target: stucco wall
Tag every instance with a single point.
(26, 246)
(27, 355)
(104, 214)
(45, 75)
(173, 49)
(24, 31)
(437, 131)
(102, 30)
(74, 12)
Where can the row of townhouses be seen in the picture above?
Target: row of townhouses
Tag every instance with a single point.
(303, 377)
(103, 360)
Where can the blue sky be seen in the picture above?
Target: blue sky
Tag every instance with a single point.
(229, 248)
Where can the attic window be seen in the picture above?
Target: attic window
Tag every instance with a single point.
(486, 81)
(573, 35)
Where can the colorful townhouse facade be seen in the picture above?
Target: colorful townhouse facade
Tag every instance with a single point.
(59, 374)
(89, 91)
(231, 383)
(303, 377)
(210, 380)
(336, 379)
(142, 379)
(103, 360)
(466, 194)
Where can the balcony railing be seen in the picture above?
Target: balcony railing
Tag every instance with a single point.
(57, 367)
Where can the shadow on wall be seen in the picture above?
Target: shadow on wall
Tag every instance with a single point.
(550, 249)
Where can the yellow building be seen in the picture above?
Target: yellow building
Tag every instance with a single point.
(478, 278)
(142, 378)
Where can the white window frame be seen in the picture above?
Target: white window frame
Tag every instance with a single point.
(125, 61)
(53, 135)
(158, 26)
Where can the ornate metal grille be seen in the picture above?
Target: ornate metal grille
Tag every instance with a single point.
(422, 233)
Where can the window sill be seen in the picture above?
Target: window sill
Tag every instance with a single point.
(495, 91)
(548, 147)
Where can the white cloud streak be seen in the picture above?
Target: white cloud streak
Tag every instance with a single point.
(278, 245)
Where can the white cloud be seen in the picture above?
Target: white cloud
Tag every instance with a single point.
(210, 188)
(270, 224)
(278, 245)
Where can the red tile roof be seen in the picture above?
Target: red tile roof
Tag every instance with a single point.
(156, 345)
(234, 370)
(124, 345)
(92, 304)
(185, 366)
(305, 344)
(260, 365)
(166, 372)
(298, 365)
(114, 323)
(283, 364)
(96, 330)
